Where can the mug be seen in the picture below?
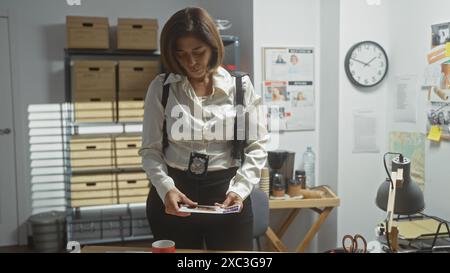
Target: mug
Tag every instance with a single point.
(163, 246)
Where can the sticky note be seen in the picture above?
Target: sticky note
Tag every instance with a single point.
(447, 50)
(435, 133)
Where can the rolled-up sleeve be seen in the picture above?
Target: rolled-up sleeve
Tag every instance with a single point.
(255, 154)
(153, 161)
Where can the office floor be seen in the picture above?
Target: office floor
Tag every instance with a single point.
(28, 249)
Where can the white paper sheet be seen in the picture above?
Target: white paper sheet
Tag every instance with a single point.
(365, 129)
(405, 101)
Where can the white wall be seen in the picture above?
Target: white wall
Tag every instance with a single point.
(360, 174)
(411, 22)
(329, 111)
(240, 13)
(289, 23)
(38, 38)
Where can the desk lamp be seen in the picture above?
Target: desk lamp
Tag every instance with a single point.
(408, 197)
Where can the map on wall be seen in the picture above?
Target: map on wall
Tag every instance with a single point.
(411, 145)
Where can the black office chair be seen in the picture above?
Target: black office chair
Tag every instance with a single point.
(260, 207)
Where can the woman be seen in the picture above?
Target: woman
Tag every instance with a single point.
(200, 94)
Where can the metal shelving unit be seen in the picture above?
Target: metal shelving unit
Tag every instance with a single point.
(110, 223)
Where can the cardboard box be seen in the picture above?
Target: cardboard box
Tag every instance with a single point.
(135, 199)
(127, 146)
(129, 162)
(91, 154)
(135, 78)
(132, 180)
(93, 202)
(134, 192)
(94, 112)
(92, 182)
(138, 34)
(87, 32)
(90, 145)
(94, 194)
(131, 111)
(94, 81)
(127, 149)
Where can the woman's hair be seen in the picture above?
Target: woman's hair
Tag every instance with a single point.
(195, 22)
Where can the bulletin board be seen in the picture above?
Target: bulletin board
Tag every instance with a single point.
(288, 88)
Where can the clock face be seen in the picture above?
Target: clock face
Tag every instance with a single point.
(366, 64)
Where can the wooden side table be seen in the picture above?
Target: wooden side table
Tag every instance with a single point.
(322, 206)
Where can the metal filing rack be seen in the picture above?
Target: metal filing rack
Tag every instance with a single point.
(112, 223)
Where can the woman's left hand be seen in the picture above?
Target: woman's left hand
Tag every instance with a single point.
(231, 200)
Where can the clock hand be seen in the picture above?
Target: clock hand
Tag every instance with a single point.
(371, 61)
(359, 61)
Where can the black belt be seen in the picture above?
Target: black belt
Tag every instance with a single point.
(209, 175)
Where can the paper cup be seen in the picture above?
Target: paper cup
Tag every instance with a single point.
(163, 246)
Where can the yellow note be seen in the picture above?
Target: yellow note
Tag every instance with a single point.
(435, 133)
(447, 50)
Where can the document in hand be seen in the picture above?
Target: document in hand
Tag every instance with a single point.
(210, 209)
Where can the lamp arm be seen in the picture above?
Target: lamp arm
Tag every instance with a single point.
(385, 166)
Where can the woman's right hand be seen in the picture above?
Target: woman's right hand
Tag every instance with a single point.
(172, 200)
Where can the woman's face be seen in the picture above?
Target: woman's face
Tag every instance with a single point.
(194, 56)
(294, 59)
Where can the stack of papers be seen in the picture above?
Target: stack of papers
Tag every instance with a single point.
(210, 209)
(416, 229)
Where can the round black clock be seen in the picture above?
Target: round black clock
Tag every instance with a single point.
(366, 64)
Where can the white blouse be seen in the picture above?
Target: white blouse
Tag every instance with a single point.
(203, 117)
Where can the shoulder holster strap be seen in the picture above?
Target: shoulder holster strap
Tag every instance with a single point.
(239, 133)
(165, 96)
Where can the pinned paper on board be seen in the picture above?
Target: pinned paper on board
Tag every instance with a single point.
(365, 126)
(435, 133)
(406, 99)
(439, 53)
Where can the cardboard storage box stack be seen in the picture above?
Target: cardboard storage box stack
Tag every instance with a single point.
(94, 90)
(140, 34)
(87, 32)
(107, 169)
(103, 155)
(134, 80)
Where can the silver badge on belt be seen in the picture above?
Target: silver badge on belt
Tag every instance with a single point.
(198, 164)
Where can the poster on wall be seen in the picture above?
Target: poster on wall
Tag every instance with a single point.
(437, 74)
(411, 145)
(288, 88)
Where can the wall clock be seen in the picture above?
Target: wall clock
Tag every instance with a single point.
(366, 64)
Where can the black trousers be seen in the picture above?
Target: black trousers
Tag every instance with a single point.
(215, 232)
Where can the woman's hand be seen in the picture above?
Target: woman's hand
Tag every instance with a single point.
(172, 200)
(231, 200)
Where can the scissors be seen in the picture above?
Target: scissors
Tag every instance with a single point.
(354, 244)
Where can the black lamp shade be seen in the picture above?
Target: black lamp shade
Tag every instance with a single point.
(408, 198)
